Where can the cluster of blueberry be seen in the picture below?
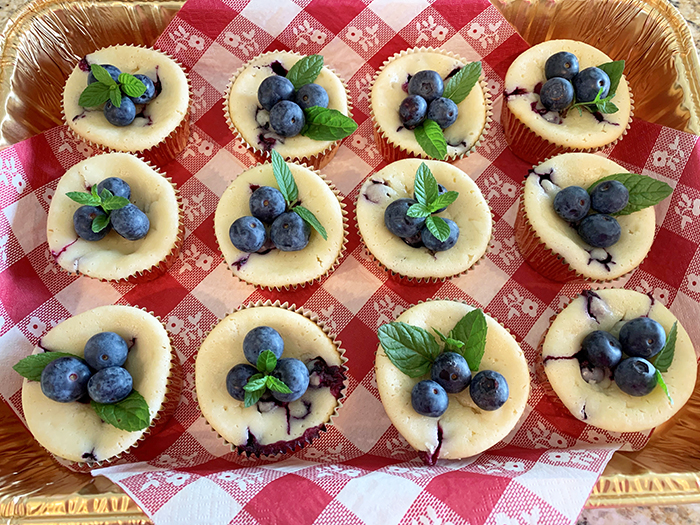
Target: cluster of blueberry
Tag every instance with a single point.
(425, 101)
(126, 112)
(286, 106)
(565, 83)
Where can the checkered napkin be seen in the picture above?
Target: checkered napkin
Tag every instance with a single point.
(361, 470)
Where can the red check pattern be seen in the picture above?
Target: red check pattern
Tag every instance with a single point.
(361, 471)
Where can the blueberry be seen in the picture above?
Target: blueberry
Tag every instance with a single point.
(642, 337)
(247, 234)
(635, 376)
(150, 92)
(428, 398)
(289, 232)
(259, 339)
(122, 115)
(451, 371)
(310, 95)
(592, 374)
(237, 378)
(599, 231)
(295, 375)
(609, 196)
(65, 379)
(601, 349)
(267, 203)
(443, 111)
(489, 390)
(441, 190)
(572, 203)
(400, 224)
(117, 186)
(130, 222)
(104, 350)
(287, 118)
(428, 84)
(588, 83)
(82, 223)
(557, 94)
(434, 244)
(274, 89)
(412, 111)
(110, 385)
(562, 64)
(113, 72)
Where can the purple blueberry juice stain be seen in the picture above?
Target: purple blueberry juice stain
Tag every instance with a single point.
(84, 65)
(90, 456)
(278, 68)
(331, 377)
(157, 84)
(517, 91)
(428, 458)
(254, 448)
(253, 187)
(457, 144)
(266, 142)
(600, 118)
(583, 413)
(399, 129)
(80, 115)
(550, 116)
(453, 73)
(307, 408)
(404, 86)
(547, 175)
(239, 263)
(62, 250)
(606, 261)
(538, 88)
(590, 296)
(373, 194)
(559, 358)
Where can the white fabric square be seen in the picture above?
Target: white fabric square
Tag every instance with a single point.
(457, 44)
(509, 216)
(349, 170)
(205, 502)
(484, 282)
(84, 294)
(13, 347)
(687, 311)
(362, 419)
(289, 466)
(342, 58)
(398, 13)
(217, 65)
(28, 221)
(211, 442)
(219, 172)
(221, 292)
(535, 334)
(273, 16)
(473, 165)
(352, 284)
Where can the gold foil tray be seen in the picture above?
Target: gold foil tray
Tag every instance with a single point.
(41, 43)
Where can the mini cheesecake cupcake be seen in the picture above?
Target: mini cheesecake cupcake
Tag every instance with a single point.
(75, 430)
(448, 90)
(297, 350)
(541, 87)
(138, 242)
(401, 244)
(449, 407)
(154, 124)
(307, 94)
(601, 355)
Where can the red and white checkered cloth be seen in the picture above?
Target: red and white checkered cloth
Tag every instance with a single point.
(361, 471)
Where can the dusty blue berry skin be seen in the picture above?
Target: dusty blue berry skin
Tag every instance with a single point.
(110, 385)
(436, 245)
(451, 371)
(609, 196)
(489, 390)
(287, 118)
(295, 375)
(310, 95)
(600, 231)
(259, 339)
(65, 379)
(82, 223)
(237, 378)
(572, 203)
(122, 115)
(429, 399)
(588, 82)
(428, 84)
(642, 337)
(130, 222)
(113, 72)
(412, 111)
(400, 224)
(267, 203)
(635, 376)
(601, 349)
(443, 111)
(247, 234)
(150, 92)
(557, 94)
(289, 232)
(117, 186)
(562, 65)
(274, 89)
(104, 350)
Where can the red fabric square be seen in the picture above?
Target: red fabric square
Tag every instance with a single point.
(177, 172)
(21, 290)
(544, 289)
(360, 344)
(214, 124)
(154, 446)
(512, 165)
(558, 415)
(342, 12)
(291, 296)
(669, 257)
(415, 293)
(205, 233)
(637, 145)
(502, 57)
(159, 296)
(38, 160)
(209, 16)
(691, 173)
(527, 454)
(458, 14)
(392, 47)
(277, 45)
(272, 505)
(371, 462)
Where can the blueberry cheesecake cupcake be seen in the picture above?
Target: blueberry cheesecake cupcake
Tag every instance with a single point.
(130, 99)
(619, 360)
(98, 383)
(584, 217)
(430, 104)
(289, 103)
(562, 96)
(115, 217)
(453, 380)
(269, 378)
(423, 221)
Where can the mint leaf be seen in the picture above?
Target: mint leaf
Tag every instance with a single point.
(86, 199)
(418, 210)
(102, 75)
(614, 71)
(471, 330)
(644, 191)
(425, 187)
(607, 107)
(284, 178)
(458, 87)
(662, 384)
(94, 95)
(311, 219)
(449, 342)
(93, 191)
(411, 349)
(114, 203)
(327, 124)
(250, 398)
(444, 200)
(32, 366)
(256, 382)
(267, 361)
(438, 227)
(99, 223)
(305, 70)
(429, 137)
(131, 86)
(130, 414)
(665, 358)
(276, 385)
(115, 96)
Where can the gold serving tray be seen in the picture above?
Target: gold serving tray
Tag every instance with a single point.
(43, 41)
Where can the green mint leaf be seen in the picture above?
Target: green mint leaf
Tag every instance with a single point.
(130, 414)
(101, 75)
(115, 96)
(644, 191)
(93, 191)
(429, 137)
(665, 358)
(444, 200)
(591, 106)
(114, 203)
(607, 107)
(32, 366)
(614, 71)
(86, 199)
(94, 95)
(327, 124)
(305, 70)
(276, 385)
(425, 187)
(131, 86)
(250, 398)
(438, 227)
(458, 87)
(311, 219)
(267, 361)
(418, 210)
(449, 342)
(256, 382)
(662, 384)
(106, 194)
(284, 178)
(471, 330)
(100, 222)
(411, 349)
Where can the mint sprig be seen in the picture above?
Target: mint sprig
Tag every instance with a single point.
(449, 342)
(429, 137)
(327, 124)
(458, 87)
(305, 70)
(105, 88)
(425, 190)
(644, 191)
(665, 357)
(106, 200)
(604, 105)
(471, 330)
(258, 384)
(32, 366)
(660, 381)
